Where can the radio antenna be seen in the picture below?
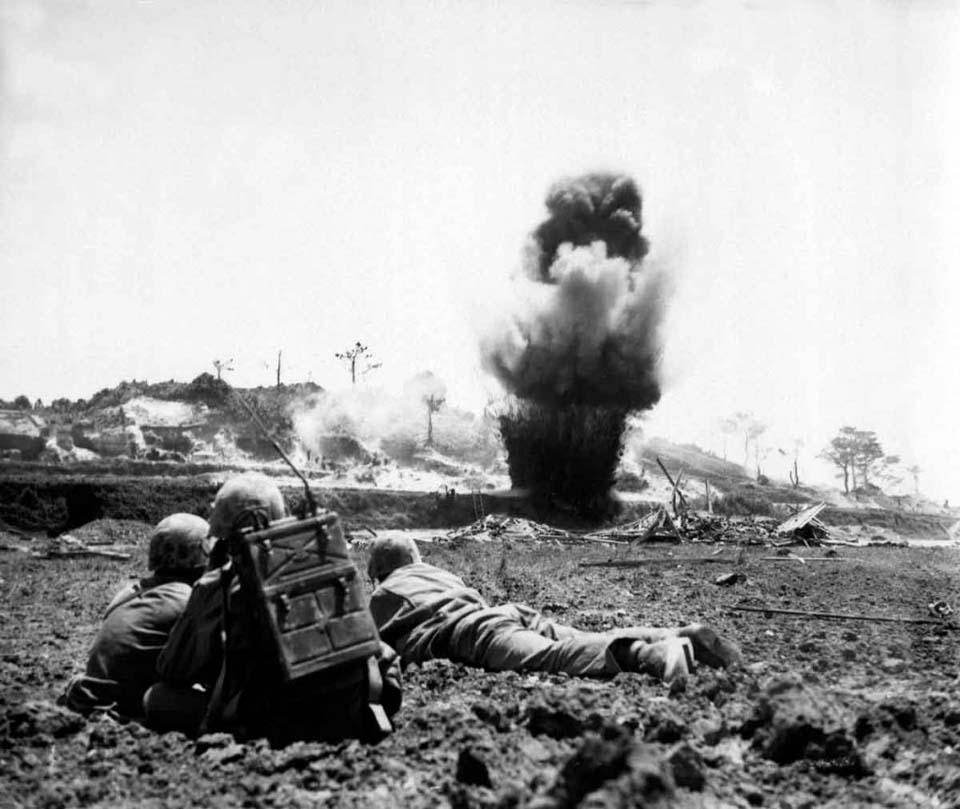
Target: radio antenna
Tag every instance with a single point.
(311, 502)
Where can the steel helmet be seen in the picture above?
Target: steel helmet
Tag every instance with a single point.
(178, 543)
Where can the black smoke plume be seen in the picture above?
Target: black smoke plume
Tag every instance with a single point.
(596, 207)
(581, 349)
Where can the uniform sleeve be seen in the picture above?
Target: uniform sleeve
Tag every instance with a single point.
(384, 606)
(392, 695)
(194, 651)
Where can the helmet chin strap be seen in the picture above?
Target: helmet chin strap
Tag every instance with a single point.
(255, 517)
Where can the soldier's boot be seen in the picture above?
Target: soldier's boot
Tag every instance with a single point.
(709, 648)
(670, 659)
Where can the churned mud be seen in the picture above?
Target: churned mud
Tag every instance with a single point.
(824, 713)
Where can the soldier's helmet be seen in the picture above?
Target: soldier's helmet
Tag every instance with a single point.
(178, 544)
(246, 498)
(389, 553)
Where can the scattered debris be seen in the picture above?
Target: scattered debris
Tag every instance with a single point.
(805, 527)
(68, 546)
(843, 616)
(940, 609)
(665, 560)
(500, 526)
(677, 499)
(657, 526)
(728, 579)
(701, 527)
(801, 519)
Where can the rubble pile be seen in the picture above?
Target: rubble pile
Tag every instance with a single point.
(660, 526)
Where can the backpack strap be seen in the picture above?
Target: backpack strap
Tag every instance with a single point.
(216, 709)
(374, 691)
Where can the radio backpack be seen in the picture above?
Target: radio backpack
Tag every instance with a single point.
(302, 657)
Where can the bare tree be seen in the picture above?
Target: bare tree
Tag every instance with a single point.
(795, 472)
(359, 359)
(433, 403)
(753, 432)
(915, 474)
(751, 429)
(432, 391)
(729, 426)
(223, 365)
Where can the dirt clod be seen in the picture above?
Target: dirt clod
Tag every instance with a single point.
(792, 721)
(472, 769)
(39, 719)
(614, 770)
(687, 767)
(554, 722)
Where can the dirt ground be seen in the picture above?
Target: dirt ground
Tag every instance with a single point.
(825, 712)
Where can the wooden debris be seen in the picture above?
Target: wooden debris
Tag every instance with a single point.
(657, 525)
(664, 560)
(67, 546)
(792, 557)
(80, 552)
(701, 527)
(501, 527)
(681, 507)
(728, 579)
(800, 519)
(843, 616)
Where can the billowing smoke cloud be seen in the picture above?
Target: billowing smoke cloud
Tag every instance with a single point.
(596, 207)
(586, 323)
(358, 423)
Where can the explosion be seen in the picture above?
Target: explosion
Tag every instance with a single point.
(581, 350)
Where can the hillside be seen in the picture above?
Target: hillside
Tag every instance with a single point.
(365, 440)
(357, 438)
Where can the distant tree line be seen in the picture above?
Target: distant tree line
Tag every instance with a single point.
(20, 403)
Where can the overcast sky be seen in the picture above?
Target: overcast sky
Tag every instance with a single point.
(183, 181)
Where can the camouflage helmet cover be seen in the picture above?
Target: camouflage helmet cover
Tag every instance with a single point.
(178, 543)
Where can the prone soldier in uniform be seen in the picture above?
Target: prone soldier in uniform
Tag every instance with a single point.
(122, 662)
(426, 612)
(216, 672)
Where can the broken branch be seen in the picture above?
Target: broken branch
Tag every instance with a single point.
(844, 616)
(661, 560)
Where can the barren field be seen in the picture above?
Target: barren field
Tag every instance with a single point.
(825, 712)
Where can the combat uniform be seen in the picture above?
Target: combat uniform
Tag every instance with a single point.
(122, 662)
(194, 655)
(426, 612)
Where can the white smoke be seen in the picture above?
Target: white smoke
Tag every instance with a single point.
(589, 334)
(393, 425)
